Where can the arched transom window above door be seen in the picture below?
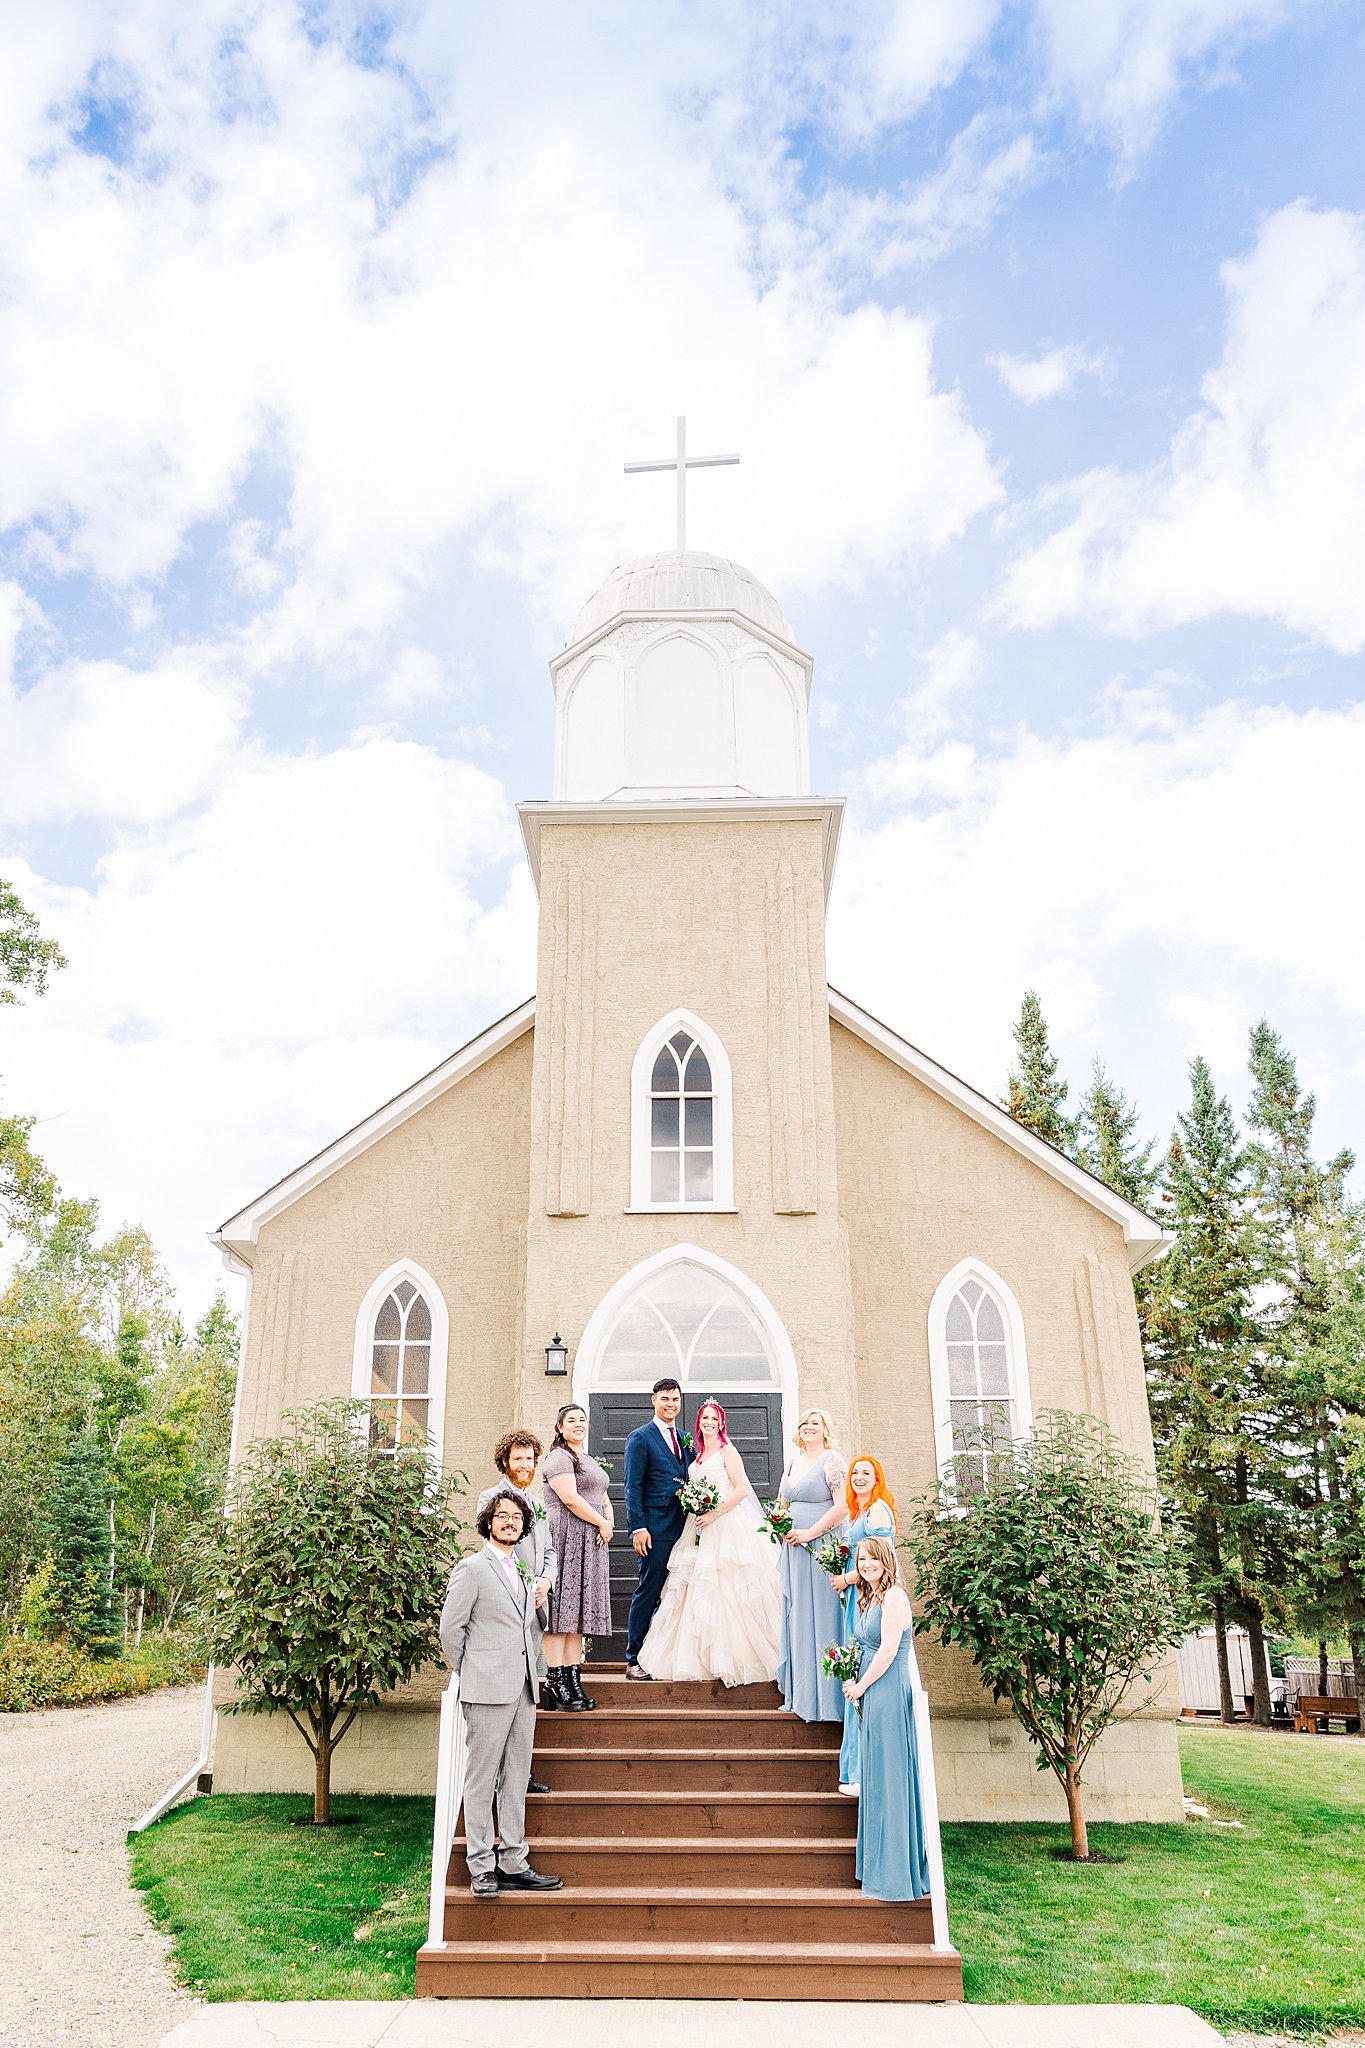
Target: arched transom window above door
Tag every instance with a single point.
(689, 1322)
(681, 1118)
(399, 1369)
(978, 1369)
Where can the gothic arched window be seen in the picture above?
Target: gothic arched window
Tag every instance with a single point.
(978, 1369)
(400, 1362)
(681, 1119)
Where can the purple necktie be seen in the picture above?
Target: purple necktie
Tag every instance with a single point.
(673, 1439)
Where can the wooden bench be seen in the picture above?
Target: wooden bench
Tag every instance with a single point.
(1316, 1711)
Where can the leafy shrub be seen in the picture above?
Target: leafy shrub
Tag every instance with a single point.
(62, 1674)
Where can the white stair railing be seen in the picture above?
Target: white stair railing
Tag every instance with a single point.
(928, 1800)
(450, 1770)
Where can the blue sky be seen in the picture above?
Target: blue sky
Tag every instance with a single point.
(324, 334)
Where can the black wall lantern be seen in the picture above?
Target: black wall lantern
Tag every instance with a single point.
(556, 1358)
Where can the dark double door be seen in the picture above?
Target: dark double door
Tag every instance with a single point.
(753, 1423)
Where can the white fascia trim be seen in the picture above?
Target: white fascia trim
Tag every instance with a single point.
(1143, 1235)
(650, 616)
(827, 811)
(236, 1239)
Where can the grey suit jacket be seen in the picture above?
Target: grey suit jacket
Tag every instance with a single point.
(489, 1632)
(536, 1549)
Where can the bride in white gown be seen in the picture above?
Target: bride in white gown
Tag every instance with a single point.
(721, 1611)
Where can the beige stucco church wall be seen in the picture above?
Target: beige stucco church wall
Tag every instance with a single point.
(725, 919)
(448, 1189)
(923, 1187)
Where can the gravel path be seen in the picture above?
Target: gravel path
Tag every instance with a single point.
(81, 1966)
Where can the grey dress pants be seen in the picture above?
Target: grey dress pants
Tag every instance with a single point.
(500, 1739)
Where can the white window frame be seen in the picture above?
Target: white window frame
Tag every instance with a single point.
(1016, 1354)
(363, 1358)
(722, 1119)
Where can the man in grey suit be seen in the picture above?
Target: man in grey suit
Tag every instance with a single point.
(491, 1637)
(516, 1455)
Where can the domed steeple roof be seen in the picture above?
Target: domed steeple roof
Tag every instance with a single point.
(686, 581)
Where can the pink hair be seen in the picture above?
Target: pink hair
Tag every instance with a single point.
(708, 1403)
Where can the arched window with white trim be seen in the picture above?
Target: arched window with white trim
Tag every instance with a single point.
(681, 1118)
(978, 1369)
(399, 1369)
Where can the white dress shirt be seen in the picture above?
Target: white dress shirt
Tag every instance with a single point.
(669, 1431)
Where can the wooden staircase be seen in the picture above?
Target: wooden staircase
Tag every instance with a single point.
(706, 1852)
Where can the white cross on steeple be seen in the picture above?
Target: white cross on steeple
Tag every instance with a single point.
(682, 462)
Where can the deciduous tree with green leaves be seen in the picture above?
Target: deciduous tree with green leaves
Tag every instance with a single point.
(1036, 1097)
(27, 1188)
(1053, 1572)
(323, 1586)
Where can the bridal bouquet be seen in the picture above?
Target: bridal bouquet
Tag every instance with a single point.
(832, 1554)
(842, 1661)
(698, 1497)
(777, 1523)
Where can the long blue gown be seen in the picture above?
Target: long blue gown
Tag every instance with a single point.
(853, 1536)
(811, 1611)
(892, 1859)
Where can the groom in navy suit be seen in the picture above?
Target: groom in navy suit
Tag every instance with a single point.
(656, 1466)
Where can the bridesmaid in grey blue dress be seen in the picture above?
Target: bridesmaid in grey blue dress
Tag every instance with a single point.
(892, 1859)
(813, 1488)
(872, 1506)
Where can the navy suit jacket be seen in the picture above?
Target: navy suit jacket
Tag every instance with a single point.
(653, 1476)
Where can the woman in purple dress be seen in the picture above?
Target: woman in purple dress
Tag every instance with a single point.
(581, 1524)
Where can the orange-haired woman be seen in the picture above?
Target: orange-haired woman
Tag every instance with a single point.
(871, 1512)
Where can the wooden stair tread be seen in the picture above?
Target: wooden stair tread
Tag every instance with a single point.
(672, 1713)
(840, 1952)
(701, 1895)
(580, 1795)
(674, 1845)
(684, 1756)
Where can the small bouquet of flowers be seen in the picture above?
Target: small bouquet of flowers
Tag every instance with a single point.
(832, 1554)
(777, 1523)
(698, 1497)
(843, 1661)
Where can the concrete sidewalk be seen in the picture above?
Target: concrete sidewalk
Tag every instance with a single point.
(623, 2023)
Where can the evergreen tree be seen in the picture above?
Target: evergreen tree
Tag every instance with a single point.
(79, 1536)
(1108, 1145)
(1215, 1426)
(1036, 1096)
(1301, 1205)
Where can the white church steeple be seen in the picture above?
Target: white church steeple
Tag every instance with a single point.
(682, 678)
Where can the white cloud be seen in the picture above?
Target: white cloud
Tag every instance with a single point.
(97, 739)
(1122, 62)
(1260, 506)
(1123, 873)
(878, 233)
(441, 306)
(1031, 378)
(247, 982)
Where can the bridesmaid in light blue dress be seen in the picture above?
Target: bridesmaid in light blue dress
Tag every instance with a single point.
(813, 1488)
(872, 1506)
(892, 1859)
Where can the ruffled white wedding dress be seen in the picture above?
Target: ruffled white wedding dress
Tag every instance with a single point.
(721, 1611)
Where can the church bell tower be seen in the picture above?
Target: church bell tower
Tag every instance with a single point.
(683, 867)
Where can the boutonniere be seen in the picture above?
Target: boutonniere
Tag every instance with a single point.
(538, 1511)
(523, 1571)
(687, 1443)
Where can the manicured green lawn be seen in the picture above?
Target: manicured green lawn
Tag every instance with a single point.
(1261, 1926)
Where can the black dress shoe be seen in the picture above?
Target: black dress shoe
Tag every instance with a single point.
(527, 1880)
(534, 1785)
(637, 1671)
(484, 1886)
